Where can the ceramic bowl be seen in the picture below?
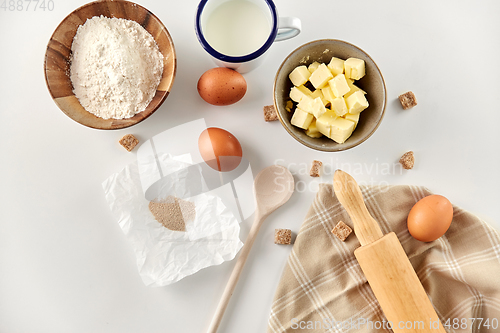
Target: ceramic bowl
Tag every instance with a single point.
(322, 51)
(58, 53)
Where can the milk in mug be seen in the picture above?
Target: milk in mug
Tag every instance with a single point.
(237, 28)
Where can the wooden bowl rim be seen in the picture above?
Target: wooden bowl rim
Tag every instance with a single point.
(128, 121)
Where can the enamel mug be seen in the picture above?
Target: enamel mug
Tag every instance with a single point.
(237, 33)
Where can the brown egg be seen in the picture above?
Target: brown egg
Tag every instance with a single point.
(222, 86)
(220, 149)
(430, 218)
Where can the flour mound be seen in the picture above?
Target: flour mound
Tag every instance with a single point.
(116, 67)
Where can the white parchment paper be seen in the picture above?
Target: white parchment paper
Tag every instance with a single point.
(165, 256)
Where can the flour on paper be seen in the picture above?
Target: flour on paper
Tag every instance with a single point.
(173, 213)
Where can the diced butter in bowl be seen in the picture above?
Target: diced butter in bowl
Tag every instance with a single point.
(329, 95)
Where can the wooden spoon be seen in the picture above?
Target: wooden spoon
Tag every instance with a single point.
(273, 186)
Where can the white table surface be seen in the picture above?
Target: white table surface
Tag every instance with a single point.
(65, 264)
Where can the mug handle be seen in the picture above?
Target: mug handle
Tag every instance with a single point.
(288, 27)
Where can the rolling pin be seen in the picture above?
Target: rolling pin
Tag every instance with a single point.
(386, 266)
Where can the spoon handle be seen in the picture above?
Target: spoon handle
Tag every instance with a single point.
(235, 275)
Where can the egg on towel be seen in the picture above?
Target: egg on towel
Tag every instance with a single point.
(430, 218)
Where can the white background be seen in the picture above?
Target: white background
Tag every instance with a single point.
(65, 265)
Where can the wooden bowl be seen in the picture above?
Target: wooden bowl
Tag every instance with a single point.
(322, 51)
(58, 53)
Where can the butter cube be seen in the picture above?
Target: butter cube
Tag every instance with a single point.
(339, 85)
(350, 83)
(336, 66)
(339, 106)
(312, 130)
(352, 117)
(297, 93)
(328, 94)
(299, 75)
(317, 93)
(312, 67)
(306, 104)
(318, 108)
(354, 68)
(320, 77)
(356, 102)
(341, 130)
(324, 123)
(353, 88)
(301, 118)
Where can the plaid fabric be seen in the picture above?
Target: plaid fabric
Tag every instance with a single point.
(323, 289)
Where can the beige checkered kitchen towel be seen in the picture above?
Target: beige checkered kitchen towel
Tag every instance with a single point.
(323, 289)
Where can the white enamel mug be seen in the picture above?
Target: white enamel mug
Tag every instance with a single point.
(237, 33)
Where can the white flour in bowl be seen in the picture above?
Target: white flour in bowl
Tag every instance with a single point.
(116, 67)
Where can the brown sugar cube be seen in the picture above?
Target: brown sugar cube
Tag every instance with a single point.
(283, 236)
(270, 113)
(342, 231)
(408, 100)
(407, 160)
(316, 168)
(129, 142)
